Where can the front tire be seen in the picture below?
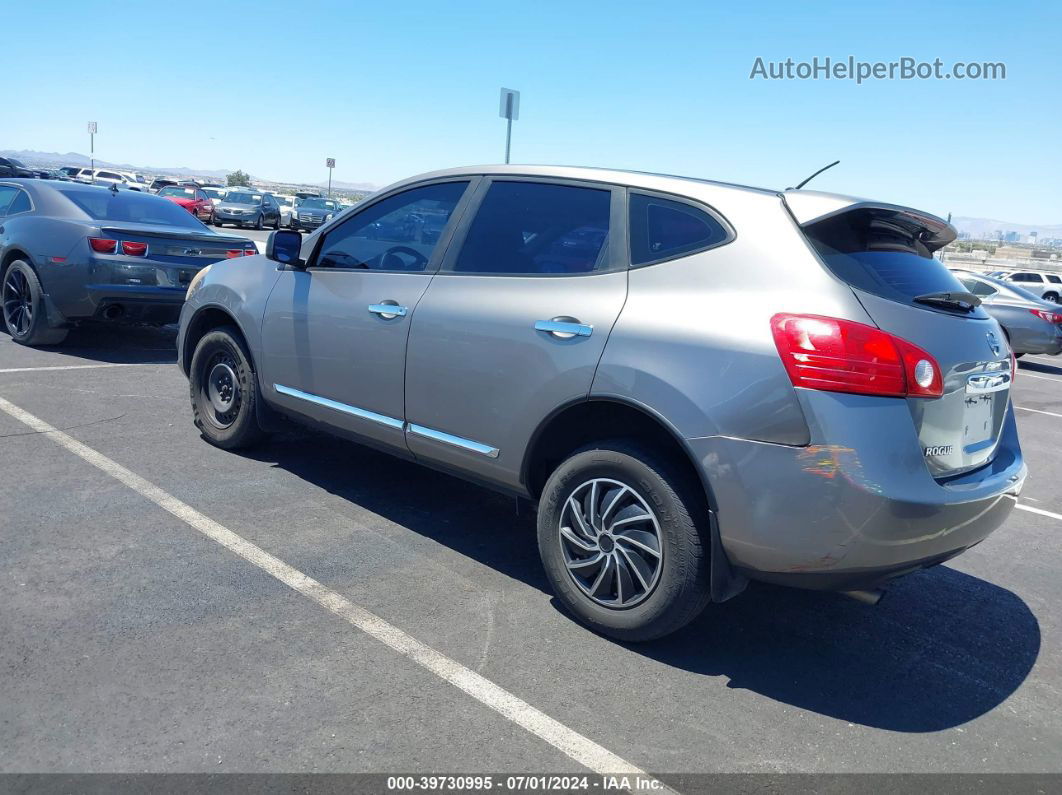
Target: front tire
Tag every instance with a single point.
(258, 222)
(23, 307)
(623, 539)
(224, 390)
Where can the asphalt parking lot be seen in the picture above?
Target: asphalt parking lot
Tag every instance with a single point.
(131, 640)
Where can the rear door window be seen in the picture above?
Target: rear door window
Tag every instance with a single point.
(881, 252)
(663, 229)
(1054, 279)
(536, 228)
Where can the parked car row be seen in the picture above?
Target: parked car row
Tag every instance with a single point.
(1044, 285)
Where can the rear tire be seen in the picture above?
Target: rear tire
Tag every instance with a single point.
(25, 316)
(634, 593)
(1052, 297)
(224, 390)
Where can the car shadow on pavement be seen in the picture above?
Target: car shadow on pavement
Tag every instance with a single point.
(114, 343)
(941, 649)
(1040, 367)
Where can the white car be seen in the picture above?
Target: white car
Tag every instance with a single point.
(216, 195)
(287, 207)
(123, 179)
(1042, 283)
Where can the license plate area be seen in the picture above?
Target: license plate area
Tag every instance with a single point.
(978, 422)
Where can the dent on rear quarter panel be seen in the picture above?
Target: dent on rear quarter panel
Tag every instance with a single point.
(694, 341)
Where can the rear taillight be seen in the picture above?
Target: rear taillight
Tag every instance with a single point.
(835, 355)
(250, 252)
(134, 249)
(103, 245)
(1050, 317)
(232, 253)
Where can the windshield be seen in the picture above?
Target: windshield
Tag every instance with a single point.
(319, 204)
(244, 198)
(213, 193)
(283, 201)
(184, 193)
(132, 207)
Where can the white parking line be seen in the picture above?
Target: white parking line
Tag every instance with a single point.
(579, 748)
(1040, 511)
(1027, 374)
(1040, 411)
(79, 367)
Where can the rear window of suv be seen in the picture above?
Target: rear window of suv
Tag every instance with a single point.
(880, 252)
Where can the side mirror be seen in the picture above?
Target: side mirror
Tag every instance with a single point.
(284, 246)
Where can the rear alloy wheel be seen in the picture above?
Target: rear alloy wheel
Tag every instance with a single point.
(224, 390)
(23, 305)
(620, 542)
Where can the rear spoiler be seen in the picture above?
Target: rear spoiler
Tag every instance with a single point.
(810, 206)
(176, 234)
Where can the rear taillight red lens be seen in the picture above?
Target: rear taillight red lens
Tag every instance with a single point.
(103, 245)
(250, 252)
(134, 249)
(835, 355)
(1050, 317)
(232, 253)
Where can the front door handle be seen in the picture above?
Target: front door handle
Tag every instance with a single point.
(388, 310)
(564, 328)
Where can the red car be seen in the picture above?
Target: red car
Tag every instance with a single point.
(192, 199)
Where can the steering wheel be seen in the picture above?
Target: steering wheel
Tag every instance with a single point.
(419, 260)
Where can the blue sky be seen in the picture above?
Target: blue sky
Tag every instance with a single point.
(393, 89)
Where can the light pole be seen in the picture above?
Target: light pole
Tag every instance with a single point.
(509, 110)
(331, 163)
(92, 145)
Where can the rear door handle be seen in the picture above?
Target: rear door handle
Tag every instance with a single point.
(564, 329)
(388, 310)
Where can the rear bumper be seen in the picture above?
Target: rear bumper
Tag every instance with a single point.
(130, 302)
(856, 511)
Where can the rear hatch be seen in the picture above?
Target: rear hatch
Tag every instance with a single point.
(886, 254)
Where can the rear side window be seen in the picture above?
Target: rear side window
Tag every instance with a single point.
(1054, 279)
(7, 194)
(20, 204)
(882, 253)
(663, 229)
(534, 228)
(978, 287)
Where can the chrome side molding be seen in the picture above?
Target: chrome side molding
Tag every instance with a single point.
(365, 414)
(456, 441)
(390, 422)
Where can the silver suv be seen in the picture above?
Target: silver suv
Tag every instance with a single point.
(696, 383)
